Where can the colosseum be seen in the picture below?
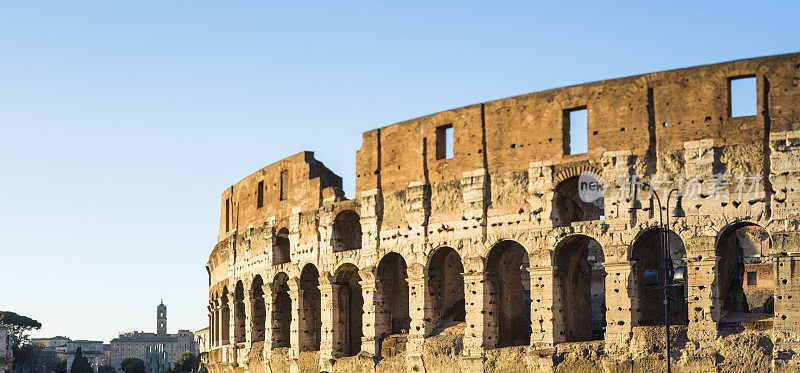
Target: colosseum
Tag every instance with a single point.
(524, 234)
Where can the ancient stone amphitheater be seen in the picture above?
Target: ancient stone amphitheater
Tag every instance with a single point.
(475, 243)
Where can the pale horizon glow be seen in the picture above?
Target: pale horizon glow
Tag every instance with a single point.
(123, 122)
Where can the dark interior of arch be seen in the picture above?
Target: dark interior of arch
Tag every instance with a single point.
(346, 231)
(507, 273)
(740, 249)
(226, 317)
(568, 207)
(580, 281)
(392, 280)
(259, 317)
(238, 309)
(280, 252)
(311, 314)
(446, 286)
(349, 302)
(646, 253)
(281, 311)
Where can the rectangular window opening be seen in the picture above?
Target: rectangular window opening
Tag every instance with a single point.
(444, 142)
(576, 131)
(227, 215)
(284, 177)
(743, 93)
(260, 195)
(752, 278)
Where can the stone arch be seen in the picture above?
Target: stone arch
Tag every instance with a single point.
(281, 311)
(258, 316)
(348, 311)
(392, 312)
(648, 304)
(346, 231)
(740, 248)
(281, 250)
(445, 286)
(225, 315)
(310, 322)
(238, 313)
(509, 289)
(579, 289)
(568, 201)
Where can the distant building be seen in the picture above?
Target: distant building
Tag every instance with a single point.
(91, 350)
(6, 352)
(58, 343)
(202, 338)
(137, 344)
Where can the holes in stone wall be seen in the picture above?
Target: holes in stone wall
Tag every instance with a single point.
(509, 290)
(346, 231)
(580, 286)
(260, 194)
(576, 131)
(311, 317)
(446, 287)
(259, 312)
(646, 254)
(238, 313)
(740, 248)
(280, 252)
(444, 142)
(348, 311)
(743, 96)
(281, 311)
(392, 286)
(570, 201)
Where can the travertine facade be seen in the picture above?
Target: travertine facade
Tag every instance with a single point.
(492, 258)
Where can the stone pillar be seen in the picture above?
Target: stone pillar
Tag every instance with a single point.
(477, 318)
(248, 319)
(703, 298)
(620, 292)
(296, 295)
(329, 307)
(214, 332)
(541, 307)
(268, 322)
(210, 326)
(419, 310)
(370, 341)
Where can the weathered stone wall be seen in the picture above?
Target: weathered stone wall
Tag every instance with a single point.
(494, 260)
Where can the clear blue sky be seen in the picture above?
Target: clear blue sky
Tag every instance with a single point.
(123, 121)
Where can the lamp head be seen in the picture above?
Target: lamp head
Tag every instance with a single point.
(635, 203)
(678, 211)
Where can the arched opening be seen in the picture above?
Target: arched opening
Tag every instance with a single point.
(649, 303)
(392, 316)
(744, 281)
(346, 231)
(281, 311)
(311, 317)
(238, 313)
(446, 287)
(259, 313)
(348, 307)
(226, 318)
(510, 296)
(280, 252)
(580, 286)
(578, 198)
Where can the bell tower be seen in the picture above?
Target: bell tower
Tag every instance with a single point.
(161, 319)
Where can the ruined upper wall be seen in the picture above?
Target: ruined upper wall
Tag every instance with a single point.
(653, 112)
(297, 181)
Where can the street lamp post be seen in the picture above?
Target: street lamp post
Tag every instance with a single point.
(672, 277)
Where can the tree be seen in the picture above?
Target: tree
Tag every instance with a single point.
(132, 365)
(187, 362)
(106, 369)
(18, 324)
(80, 364)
